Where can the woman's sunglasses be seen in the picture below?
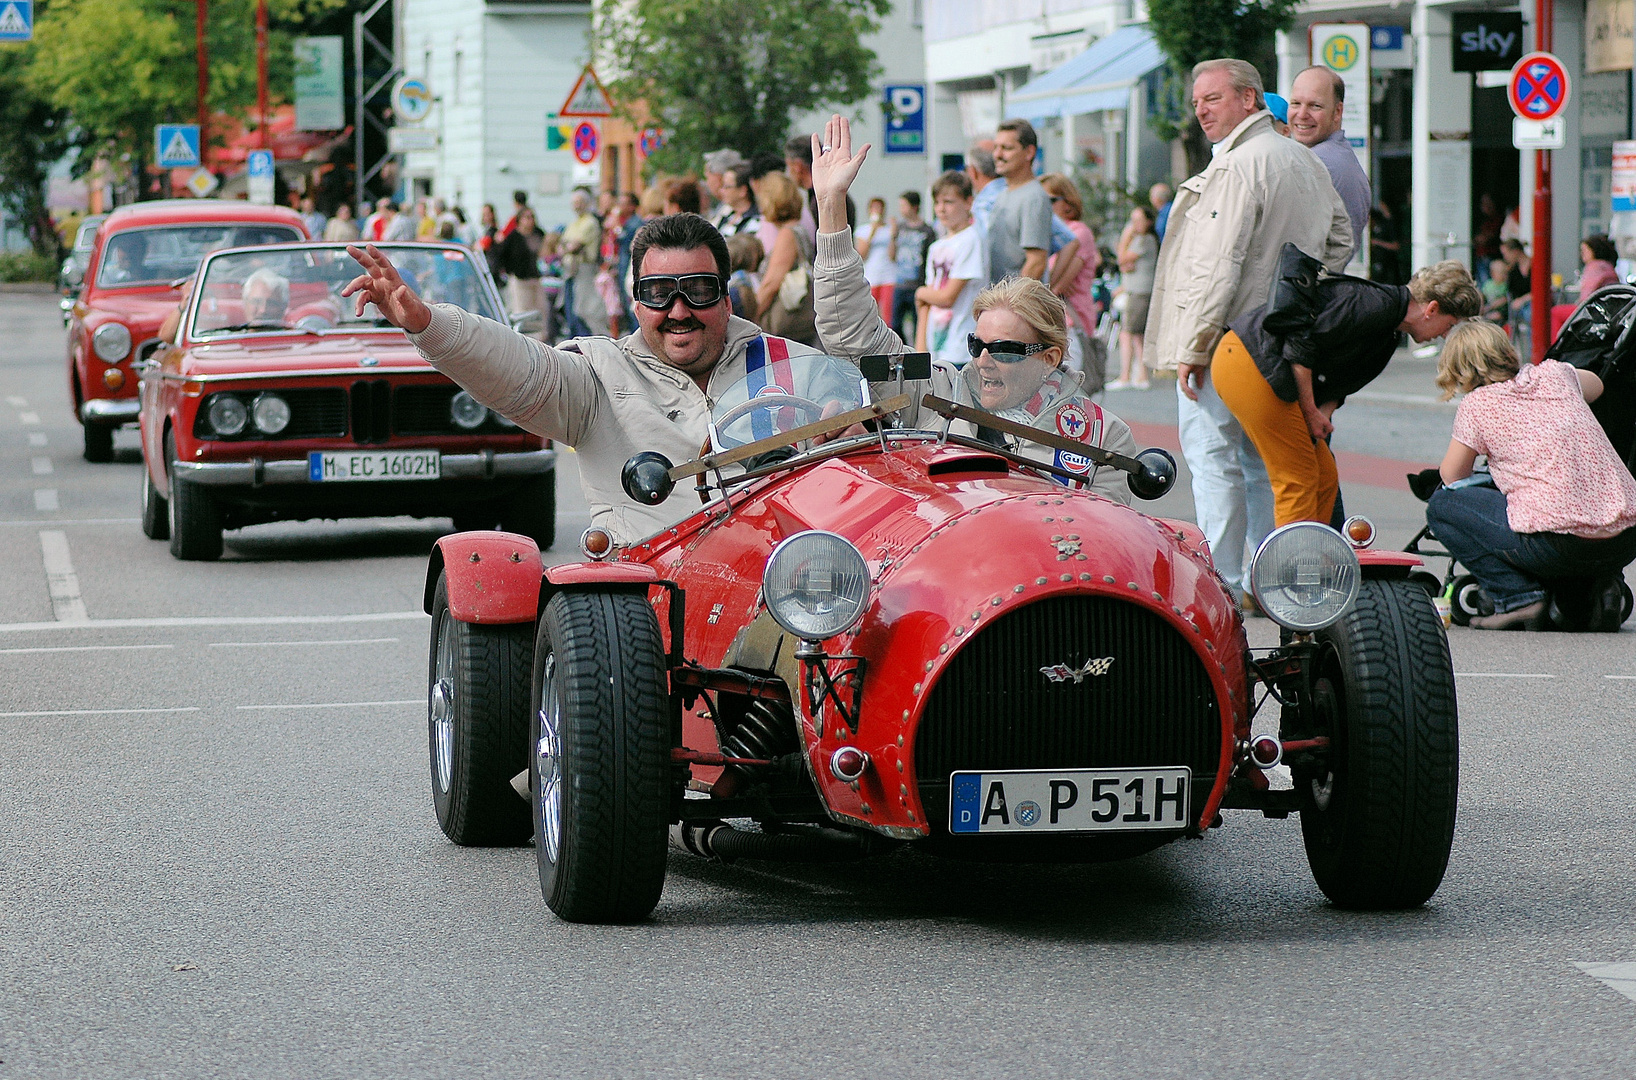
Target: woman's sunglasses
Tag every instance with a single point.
(1006, 352)
(659, 291)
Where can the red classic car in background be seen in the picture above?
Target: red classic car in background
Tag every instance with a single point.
(917, 636)
(139, 254)
(278, 403)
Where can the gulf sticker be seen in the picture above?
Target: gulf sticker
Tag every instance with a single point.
(1077, 464)
(1072, 422)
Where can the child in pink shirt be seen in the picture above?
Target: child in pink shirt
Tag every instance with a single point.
(1561, 515)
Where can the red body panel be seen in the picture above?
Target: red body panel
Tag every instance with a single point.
(493, 577)
(950, 549)
(1370, 558)
(596, 573)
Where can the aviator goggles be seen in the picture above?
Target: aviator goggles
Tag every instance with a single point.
(659, 291)
(1005, 352)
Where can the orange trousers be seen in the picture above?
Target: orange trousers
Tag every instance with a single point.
(1302, 470)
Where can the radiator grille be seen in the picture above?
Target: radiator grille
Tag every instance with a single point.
(994, 709)
(314, 412)
(424, 410)
(371, 411)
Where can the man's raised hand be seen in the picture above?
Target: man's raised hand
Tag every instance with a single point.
(380, 285)
(833, 165)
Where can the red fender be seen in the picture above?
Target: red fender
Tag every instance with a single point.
(600, 573)
(1387, 564)
(494, 577)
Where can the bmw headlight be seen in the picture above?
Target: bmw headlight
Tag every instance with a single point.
(227, 414)
(111, 342)
(467, 412)
(816, 585)
(1305, 576)
(271, 413)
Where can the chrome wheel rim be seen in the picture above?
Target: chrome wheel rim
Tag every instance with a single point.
(441, 707)
(548, 762)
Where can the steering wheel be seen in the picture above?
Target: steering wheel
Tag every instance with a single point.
(769, 401)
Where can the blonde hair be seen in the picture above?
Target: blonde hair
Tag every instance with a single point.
(1063, 188)
(1450, 284)
(1033, 303)
(779, 199)
(1475, 354)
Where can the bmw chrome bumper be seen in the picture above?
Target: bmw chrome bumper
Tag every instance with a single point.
(110, 410)
(257, 471)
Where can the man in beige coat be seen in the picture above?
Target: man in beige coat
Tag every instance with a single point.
(1220, 254)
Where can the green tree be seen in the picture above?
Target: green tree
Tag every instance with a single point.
(1193, 30)
(720, 73)
(37, 136)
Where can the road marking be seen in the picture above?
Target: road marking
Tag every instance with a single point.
(339, 704)
(1501, 675)
(28, 418)
(1620, 977)
(93, 712)
(46, 499)
(1619, 676)
(75, 521)
(60, 580)
(81, 648)
(36, 438)
(265, 644)
(42, 466)
(16, 402)
(218, 620)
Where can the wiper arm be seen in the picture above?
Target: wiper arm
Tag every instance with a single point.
(255, 326)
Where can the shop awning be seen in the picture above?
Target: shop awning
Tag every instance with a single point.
(1097, 79)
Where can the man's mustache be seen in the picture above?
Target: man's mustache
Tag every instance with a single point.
(680, 326)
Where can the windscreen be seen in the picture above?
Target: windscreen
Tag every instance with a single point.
(288, 288)
(160, 255)
(780, 393)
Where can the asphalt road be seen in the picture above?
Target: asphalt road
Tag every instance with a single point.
(219, 859)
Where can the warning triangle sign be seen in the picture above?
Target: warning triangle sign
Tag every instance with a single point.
(587, 98)
(177, 151)
(12, 22)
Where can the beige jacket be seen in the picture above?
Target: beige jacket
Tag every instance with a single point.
(849, 325)
(1226, 229)
(607, 399)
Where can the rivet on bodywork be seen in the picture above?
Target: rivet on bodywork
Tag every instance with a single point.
(1055, 538)
(928, 665)
(1157, 597)
(900, 765)
(943, 648)
(917, 688)
(961, 629)
(1133, 586)
(905, 716)
(1067, 577)
(866, 809)
(1065, 518)
(996, 601)
(904, 790)
(476, 557)
(1084, 577)
(1175, 609)
(1039, 581)
(516, 557)
(911, 815)
(1108, 578)
(1079, 558)
(1210, 645)
(1017, 589)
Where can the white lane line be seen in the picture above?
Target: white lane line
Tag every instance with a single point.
(1620, 977)
(1501, 675)
(16, 402)
(1619, 676)
(93, 712)
(46, 499)
(74, 521)
(36, 438)
(82, 648)
(28, 418)
(267, 644)
(219, 620)
(60, 579)
(339, 704)
(42, 466)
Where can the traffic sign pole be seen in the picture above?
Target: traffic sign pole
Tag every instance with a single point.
(1540, 286)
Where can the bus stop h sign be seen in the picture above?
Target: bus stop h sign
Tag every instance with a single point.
(1539, 87)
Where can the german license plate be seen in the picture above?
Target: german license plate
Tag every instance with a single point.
(1069, 800)
(324, 466)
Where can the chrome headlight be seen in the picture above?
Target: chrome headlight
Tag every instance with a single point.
(1305, 576)
(227, 414)
(816, 585)
(467, 412)
(111, 342)
(271, 414)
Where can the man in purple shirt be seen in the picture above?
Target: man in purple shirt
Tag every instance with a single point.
(1316, 101)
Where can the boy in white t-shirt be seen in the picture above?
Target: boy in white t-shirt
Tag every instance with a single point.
(956, 271)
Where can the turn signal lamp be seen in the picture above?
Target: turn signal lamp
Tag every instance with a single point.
(848, 763)
(113, 378)
(1359, 531)
(595, 543)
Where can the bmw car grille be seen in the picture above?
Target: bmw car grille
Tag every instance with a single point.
(424, 410)
(1069, 682)
(371, 411)
(314, 413)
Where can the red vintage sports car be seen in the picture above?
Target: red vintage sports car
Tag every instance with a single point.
(919, 636)
(278, 403)
(140, 255)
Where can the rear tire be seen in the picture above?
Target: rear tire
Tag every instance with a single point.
(532, 511)
(155, 509)
(99, 443)
(1378, 814)
(195, 519)
(477, 726)
(599, 760)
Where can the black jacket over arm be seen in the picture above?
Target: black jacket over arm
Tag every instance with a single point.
(1349, 343)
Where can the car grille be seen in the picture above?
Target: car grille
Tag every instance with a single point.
(994, 709)
(314, 413)
(371, 411)
(424, 410)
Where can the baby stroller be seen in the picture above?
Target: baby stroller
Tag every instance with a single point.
(1600, 337)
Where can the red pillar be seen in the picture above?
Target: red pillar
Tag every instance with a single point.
(261, 73)
(1540, 291)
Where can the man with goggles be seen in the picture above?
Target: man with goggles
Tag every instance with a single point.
(651, 390)
(1016, 368)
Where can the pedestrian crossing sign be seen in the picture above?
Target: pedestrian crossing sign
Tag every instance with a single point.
(16, 20)
(176, 146)
(587, 98)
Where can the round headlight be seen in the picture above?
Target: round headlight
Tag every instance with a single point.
(1305, 576)
(227, 414)
(467, 412)
(111, 342)
(816, 585)
(271, 413)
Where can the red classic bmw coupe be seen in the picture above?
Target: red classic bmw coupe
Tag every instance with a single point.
(276, 402)
(919, 636)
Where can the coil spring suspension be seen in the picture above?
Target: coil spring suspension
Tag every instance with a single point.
(767, 731)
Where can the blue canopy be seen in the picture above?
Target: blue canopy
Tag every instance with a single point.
(1097, 79)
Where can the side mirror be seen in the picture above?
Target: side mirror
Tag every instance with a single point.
(1157, 477)
(646, 478)
(74, 275)
(527, 322)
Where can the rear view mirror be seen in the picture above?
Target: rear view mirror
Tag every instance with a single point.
(646, 478)
(1157, 477)
(527, 322)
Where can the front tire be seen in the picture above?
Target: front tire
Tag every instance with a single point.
(477, 726)
(1379, 807)
(195, 519)
(99, 443)
(599, 757)
(155, 509)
